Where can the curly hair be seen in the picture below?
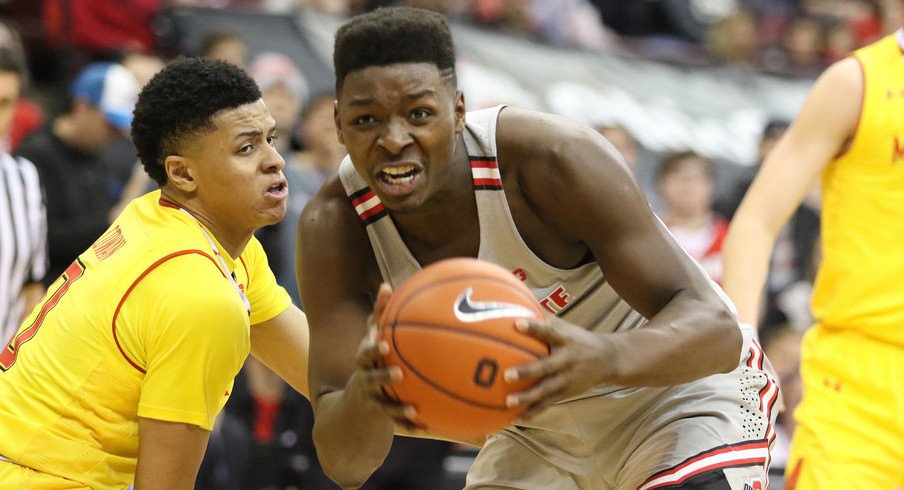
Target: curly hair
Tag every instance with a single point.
(180, 101)
(393, 35)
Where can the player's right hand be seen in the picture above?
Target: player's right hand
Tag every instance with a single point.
(372, 376)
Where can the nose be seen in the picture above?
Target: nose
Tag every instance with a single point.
(274, 161)
(395, 136)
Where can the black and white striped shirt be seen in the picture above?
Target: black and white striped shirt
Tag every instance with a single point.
(23, 237)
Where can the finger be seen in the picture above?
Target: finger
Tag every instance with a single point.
(383, 295)
(535, 409)
(543, 330)
(543, 367)
(371, 352)
(548, 388)
(374, 380)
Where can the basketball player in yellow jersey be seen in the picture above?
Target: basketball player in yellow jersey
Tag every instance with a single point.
(117, 375)
(851, 130)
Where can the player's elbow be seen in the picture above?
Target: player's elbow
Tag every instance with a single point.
(348, 467)
(730, 340)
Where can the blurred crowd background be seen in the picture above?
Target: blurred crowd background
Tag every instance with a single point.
(693, 94)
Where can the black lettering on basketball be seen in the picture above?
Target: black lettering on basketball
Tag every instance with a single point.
(485, 374)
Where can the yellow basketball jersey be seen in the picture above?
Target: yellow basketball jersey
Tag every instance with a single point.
(860, 284)
(145, 323)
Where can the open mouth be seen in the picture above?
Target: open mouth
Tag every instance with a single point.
(398, 176)
(279, 189)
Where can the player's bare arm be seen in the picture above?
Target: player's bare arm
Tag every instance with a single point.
(277, 343)
(169, 454)
(822, 130)
(575, 201)
(337, 276)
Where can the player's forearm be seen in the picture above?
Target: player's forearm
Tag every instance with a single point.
(352, 437)
(745, 256)
(687, 340)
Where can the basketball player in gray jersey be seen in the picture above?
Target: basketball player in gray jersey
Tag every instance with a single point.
(651, 382)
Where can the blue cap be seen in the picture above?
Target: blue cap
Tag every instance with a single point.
(111, 88)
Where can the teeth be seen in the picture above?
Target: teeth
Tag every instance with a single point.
(398, 170)
(398, 175)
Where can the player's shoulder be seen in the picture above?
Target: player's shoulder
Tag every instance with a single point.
(529, 136)
(330, 206)
(846, 74)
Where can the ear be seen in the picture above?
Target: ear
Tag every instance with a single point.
(459, 107)
(179, 172)
(337, 122)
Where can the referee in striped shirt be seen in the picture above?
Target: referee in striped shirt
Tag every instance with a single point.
(23, 224)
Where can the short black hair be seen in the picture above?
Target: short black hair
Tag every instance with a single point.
(672, 162)
(11, 62)
(392, 35)
(180, 101)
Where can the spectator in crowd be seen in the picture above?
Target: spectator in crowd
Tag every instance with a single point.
(23, 224)
(734, 39)
(224, 45)
(69, 156)
(27, 116)
(129, 180)
(685, 183)
(320, 150)
(804, 46)
(121, 155)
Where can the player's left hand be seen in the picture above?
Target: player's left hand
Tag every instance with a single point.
(576, 363)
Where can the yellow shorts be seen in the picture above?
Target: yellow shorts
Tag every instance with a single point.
(850, 422)
(15, 477)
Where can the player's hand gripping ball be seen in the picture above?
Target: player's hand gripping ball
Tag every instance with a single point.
(451, 329)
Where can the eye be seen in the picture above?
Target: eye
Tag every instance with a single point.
(271, 140)
(246, 148)
(363, 120)
(420, 113)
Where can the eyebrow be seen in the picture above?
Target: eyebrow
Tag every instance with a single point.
(362, 101)
(253, 132)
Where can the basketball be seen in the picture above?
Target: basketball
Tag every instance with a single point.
(451, 329)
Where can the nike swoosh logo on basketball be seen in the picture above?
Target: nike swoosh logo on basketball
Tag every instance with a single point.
(470, 311)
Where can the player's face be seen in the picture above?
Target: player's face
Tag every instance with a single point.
(400, 125)
(238, 171)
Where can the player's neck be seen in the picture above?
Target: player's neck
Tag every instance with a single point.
(233, 241)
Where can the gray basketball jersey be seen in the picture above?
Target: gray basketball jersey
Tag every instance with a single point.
(580, 295)
(610, 436)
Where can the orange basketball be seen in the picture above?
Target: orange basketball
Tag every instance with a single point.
(451, 329)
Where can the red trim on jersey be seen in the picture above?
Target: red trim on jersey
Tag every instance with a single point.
(168, 204)
(791, 482)
(674, 476)
(719, 231)
(247, 274)
(484, 181)
(369, 212)
(488, 182)
(491, 163)
(9, 355)
(135, 283)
